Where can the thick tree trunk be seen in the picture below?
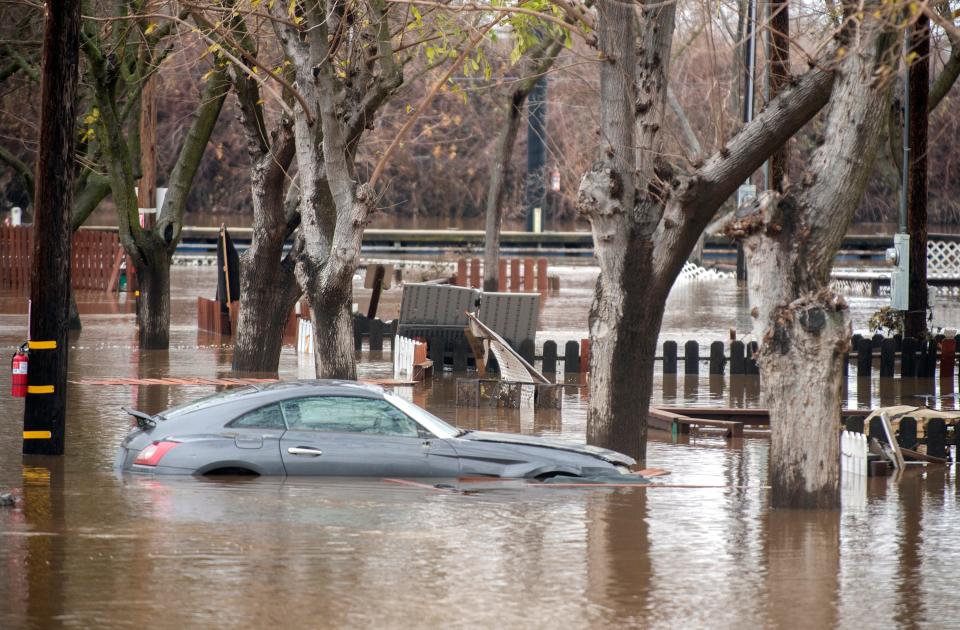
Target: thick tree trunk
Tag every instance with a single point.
(791, 244)
(153, 305)
(498, 176)
(626, 313)
(333, 319)
(268, 292)
(801, 369)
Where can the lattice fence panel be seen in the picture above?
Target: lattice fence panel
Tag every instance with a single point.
(943, 259)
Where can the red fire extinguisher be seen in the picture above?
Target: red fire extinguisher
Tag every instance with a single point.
(18, 381)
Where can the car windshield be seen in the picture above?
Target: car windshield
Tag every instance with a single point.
(426, 419)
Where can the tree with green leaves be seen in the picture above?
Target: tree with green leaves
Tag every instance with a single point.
(122, 51)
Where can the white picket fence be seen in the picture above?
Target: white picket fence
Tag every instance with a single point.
(853, 453)
(404, 350)
(304, 336)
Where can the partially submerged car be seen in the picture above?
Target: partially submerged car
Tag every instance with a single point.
(340, 428)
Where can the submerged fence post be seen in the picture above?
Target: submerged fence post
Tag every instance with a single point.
(549, 357)
(908, 358)
(865, 358)
(717, 359)
(691, 357)
(669, 357)
(737, 360)
(571, 357)
(887, 358)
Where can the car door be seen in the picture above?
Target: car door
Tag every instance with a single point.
(252, 442)
(352, 436)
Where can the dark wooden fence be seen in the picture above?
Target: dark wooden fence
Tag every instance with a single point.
(95, 259)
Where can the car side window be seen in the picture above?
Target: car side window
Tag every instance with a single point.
(345, 414)
(268, 417)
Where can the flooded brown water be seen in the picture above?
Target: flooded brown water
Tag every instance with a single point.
(87, 548)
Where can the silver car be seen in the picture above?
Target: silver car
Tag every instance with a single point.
(340, 428)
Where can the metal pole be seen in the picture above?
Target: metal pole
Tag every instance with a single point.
(536, 150)
(748, 98)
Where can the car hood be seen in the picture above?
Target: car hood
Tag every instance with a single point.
(529, 440)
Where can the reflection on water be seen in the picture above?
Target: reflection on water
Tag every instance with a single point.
(86, 548)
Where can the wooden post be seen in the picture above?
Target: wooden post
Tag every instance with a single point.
(515, 285)
(475, 273)
(543, 282)
(930, 365)
(750, 363)
(529, 275)
(502, 277)
(717, 359)
(887, 358)
(527, 350)
(935, 432)
(549, 357)
(147, 188)
(948, 357)
(571, 357)
(691, 357)
(44, 413)
(437, 347)
(915, 319)
(669, 357)
(460, 353)
(908, 358)
(376, 334)
(377, 289)
(865, 358)
(461, 277)
(737, 360)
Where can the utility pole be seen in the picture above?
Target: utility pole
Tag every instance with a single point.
(747, 190)
(147, 190)
(779, 80)
(535, 193)
(44, 414)
(915, 123)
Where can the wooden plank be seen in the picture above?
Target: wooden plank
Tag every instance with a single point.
(515, 286)
(475, 273)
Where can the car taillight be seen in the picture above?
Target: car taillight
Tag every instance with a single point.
(151, 455)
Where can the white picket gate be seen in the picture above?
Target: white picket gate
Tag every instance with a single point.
(404, 350)
(304, 336)
(853, 453)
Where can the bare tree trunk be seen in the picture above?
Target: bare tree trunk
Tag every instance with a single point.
(500, 168)
(646, 216)
(331, 313)
(791, 243)
(268, 285)
(268, 293)
(153, 305)
(495, 193)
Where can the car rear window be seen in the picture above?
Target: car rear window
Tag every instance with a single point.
(268, 417)
(208, 401)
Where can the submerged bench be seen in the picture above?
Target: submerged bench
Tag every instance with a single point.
(677, 423)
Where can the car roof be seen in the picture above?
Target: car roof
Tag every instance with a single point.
(281, 390)
(259, 394)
